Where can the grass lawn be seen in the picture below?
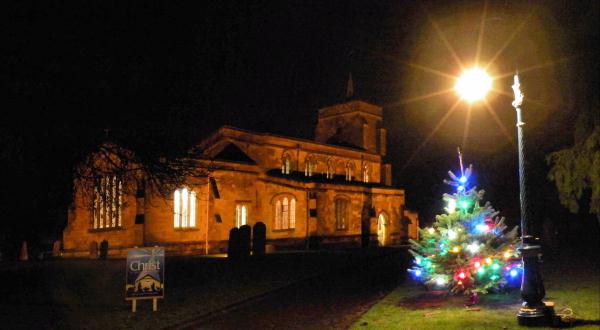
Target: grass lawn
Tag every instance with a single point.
(568, 284)
(80, 294)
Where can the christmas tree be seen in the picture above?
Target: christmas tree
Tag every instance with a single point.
(468, 248)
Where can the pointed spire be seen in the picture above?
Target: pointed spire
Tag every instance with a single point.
(350, 86)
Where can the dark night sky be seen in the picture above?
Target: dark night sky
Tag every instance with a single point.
(163, 75)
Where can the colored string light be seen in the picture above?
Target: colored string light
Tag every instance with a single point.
(451, 234)
(440, 281)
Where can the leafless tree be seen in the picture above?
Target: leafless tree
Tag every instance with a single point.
(159, 176)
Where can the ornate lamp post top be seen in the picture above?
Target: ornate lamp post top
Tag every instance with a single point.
(518, 94)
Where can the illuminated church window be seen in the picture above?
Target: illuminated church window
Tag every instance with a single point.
(330, 169)
(108, 203)
(349, 171)
(286, 164)
(241, 215)
(309, 166)
(184, 207)
(341, 213)
(366, 173)
(285, 213)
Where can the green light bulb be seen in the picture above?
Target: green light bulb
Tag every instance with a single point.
(464, 205)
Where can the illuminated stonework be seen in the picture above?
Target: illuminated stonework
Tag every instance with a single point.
(322, 192)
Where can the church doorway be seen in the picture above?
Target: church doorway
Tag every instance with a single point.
(381, 226)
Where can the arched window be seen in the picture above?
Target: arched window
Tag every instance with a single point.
(309, 165)
(341, 213)
(241, 215)
(108, 202)
(330, 168)
(349, 171)
(285, 212)
(381, 228)
(286, 163)
(184, 208)
(366, 173)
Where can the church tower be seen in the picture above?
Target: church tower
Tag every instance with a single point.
(352, 123)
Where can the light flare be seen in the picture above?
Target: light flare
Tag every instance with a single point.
(473, 84)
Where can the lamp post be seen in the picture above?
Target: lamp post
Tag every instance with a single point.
(473, 85)
(533, 311)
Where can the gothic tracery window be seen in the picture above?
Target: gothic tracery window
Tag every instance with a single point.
(286, 163)
(108, 203)
(309, 166)
(330, 169)
(349, 171)
(285, 213)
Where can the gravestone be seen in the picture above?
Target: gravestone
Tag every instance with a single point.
(56, 249)
(233, 249)
(245, 233)
(365, 226)
(103, 249)
(93, 250)
(259, 239)
(24, 254)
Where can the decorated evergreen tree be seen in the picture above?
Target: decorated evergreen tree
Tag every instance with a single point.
(467, 250)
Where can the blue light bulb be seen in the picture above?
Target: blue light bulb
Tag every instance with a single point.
(513, 273)
(417, 273)
(463, 179)
(461, 188)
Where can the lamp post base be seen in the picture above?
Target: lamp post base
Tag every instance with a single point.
(533, 312)
(540, 315)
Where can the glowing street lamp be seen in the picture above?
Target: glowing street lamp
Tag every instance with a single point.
(472, 86)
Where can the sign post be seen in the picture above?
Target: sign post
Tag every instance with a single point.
(145, 275)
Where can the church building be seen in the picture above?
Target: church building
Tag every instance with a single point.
(335, 190)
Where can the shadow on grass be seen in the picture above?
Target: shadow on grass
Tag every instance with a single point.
(430, 299)
(438, 299)
(577, 323)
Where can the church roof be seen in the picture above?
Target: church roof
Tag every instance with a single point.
(232, 153)
(237, 133)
